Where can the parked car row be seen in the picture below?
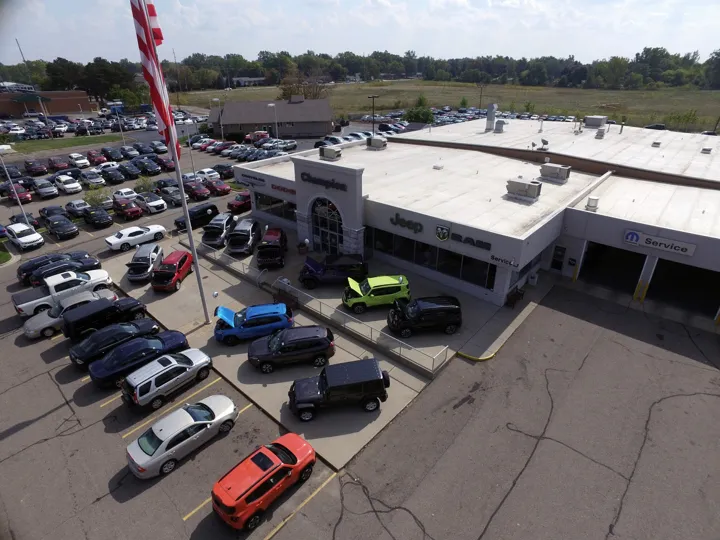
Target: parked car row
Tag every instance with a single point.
(253, 149)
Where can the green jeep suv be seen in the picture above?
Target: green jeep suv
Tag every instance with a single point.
(375, 291)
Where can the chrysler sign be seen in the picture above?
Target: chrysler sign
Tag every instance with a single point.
(636, 238)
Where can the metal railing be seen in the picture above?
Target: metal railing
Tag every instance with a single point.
(222, 258)
(353, 325)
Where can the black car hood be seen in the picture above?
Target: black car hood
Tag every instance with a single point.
(307, 390)
(64, 227)
(260, 348)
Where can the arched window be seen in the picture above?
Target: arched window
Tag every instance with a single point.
(327, 229)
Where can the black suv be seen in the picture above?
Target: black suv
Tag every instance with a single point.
(431, 313)
(25, 270)
(200, 215)
(82, 321)
(351, 383)
(271, 249)
(334, 269)
(304, 344)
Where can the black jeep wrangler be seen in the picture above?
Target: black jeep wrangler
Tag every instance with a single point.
(431, 313)
(333, 270)
(351, 383)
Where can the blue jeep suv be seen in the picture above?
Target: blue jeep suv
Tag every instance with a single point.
(251, 322)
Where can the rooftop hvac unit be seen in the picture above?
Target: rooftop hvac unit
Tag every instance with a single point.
(499, 125)
(524, 189)
(595, 121)
(600, 133)
(656, 144)
(592, 204)
(328, 153)
(706, 150)
(376, 143)
(554, 172)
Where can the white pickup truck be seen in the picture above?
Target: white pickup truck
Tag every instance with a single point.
(34, 301)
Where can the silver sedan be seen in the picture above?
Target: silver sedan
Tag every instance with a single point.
(46, 323)
(158, 450)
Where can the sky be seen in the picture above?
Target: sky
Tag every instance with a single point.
(80, 30)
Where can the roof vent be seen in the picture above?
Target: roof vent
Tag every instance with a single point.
(656, 144)
(526, 190)
(600, 133)
(592, 204)
(706, 150)
(376, 143)
(595, 121)
(554, 172)
(329, 153)
(499, 125)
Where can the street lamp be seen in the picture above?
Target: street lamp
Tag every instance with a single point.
(373, 97)
(12, 185)
(481, 86)
(222, 131)
(274, 108)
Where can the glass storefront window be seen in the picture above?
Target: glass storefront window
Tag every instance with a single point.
(474, 271)
(276, 207)
(403, 248)
(383, 241)
(327, 228)
(449, 263)
(426, 255)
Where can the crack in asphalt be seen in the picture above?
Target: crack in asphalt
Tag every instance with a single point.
(348, 479)
(30, 379)
(618, 514)
(691, 364)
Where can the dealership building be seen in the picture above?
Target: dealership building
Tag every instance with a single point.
(484, 207)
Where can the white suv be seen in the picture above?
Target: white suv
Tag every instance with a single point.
(23, 236)
(67, 184)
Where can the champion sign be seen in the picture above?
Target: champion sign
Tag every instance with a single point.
(327, 184)
(639, 239)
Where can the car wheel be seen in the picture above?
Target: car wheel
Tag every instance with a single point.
(203, 373)
(231, 340)
(168, 467)
(254, 522)
(226, 426)
(178, 284)
(305, 474)
(267, 367)
(319, 361)
(100, 287)
(40, 309)
(450, 329)
(371, 405)
(48, 332)
(125, 247)
(406, 333)
(306, 415)
(359, 308)
(158, 236)
(156, 403)
(309, 284)
(118, 382)
(139, 315)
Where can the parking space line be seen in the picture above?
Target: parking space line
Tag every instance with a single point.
(85, 379)
(198, 508)
(300, 507)
(57, 336)
(178, 404)
(109, 401)
(89, 234)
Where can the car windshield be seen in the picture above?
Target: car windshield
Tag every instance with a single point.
(55, 311)
(149, 442)
(119, 234)
(66, 181)
(182, 360)
(42, 184)
(200, 412)
(167, 268)
(365, 288)
(83, 276)
(240, 317)
(25, 232)
(276, 341)
(282, 453)
(412, 310)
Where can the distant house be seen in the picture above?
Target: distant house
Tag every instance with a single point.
(8, 86)
(248, 81)
(296, 117)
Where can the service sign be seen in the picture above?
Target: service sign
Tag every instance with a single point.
(637, 238)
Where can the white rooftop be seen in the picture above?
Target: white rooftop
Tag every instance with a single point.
(679, 153)
(470, 188)
(681, 208)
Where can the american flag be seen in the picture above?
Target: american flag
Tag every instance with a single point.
(149, 36)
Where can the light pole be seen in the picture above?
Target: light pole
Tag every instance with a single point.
(117, 116)
(222, 131)
(274, 108)
(481, 86)
(373, 97)
(12, 184)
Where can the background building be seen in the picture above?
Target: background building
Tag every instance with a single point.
(69, 102)
(296, 118)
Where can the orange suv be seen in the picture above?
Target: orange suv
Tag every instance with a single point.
(242, 495)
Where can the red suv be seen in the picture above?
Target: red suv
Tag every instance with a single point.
(170, 274)
(58, 163)
(241, 203)
(242, 496)
(127, 209)
(23, 195)
(217, 187)
(196, 191)
(95, 157)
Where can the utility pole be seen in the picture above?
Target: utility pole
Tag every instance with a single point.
(22, 55)
(373, 97)
(717, 124)
(481, 86)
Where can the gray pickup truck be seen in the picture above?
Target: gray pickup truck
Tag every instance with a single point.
(34, 301)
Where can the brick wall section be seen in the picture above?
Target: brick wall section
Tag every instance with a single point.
(65, 102)
(585, 165)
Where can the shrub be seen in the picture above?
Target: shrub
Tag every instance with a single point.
(144, 184)
(96, 195)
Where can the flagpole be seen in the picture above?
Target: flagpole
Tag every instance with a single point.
(172, 139)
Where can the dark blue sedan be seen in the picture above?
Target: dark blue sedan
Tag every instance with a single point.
(112, 368)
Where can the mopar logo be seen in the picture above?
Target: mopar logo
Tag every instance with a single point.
(631, 237)
(414, 226)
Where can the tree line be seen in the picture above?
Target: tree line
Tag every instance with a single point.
(653, 68)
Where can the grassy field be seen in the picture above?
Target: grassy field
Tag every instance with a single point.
(670, 106)
(27, 147)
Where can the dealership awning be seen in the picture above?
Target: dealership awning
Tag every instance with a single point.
(31, 98)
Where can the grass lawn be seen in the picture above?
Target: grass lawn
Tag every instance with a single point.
(4, 255)
(641, 107)
(27, 147)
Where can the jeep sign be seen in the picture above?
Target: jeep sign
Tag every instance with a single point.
(636, 238)
(414, 226)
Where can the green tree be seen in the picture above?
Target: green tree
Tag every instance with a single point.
(633, 81)
(712, 70)
(442, 75)
(63, 74)
(205, 78)
(96, 195)
(421, 102)
(419, 114)
(144, 184)
(464, 103)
